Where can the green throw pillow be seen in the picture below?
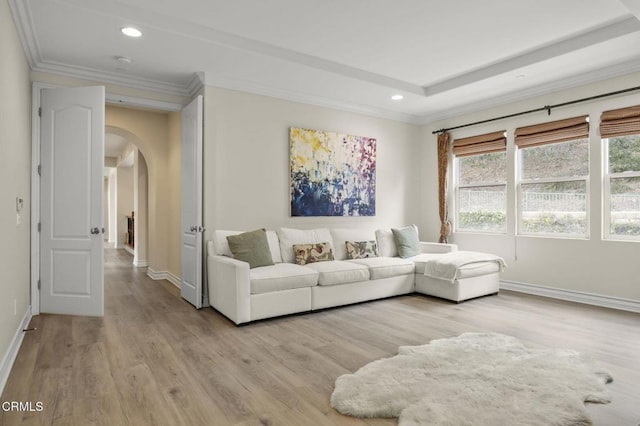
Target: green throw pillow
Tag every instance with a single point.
(251, 247)
(406, 240)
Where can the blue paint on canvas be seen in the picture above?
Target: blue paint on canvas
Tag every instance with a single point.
(332, 174)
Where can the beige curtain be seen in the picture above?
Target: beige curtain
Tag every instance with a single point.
(443, 165)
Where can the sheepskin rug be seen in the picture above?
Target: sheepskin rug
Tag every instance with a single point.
(474, 379)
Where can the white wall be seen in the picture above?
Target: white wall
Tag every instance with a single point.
(246, 166)
(173, 186)
(140, 188)
(124, 201)
(608, 268)
(113, 223)
(15, 172)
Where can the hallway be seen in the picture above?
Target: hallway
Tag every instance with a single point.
(115, 370)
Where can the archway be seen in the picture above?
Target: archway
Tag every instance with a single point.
(127, 193)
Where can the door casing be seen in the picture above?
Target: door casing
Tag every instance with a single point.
(110, 97)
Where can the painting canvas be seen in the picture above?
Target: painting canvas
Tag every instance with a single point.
(332, 174)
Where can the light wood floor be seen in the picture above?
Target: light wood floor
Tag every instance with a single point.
(155, 360)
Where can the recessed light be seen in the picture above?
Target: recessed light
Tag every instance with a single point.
(520, 76)
(131, 32)
(397, 97)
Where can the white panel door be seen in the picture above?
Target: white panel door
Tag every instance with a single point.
(191, 187)
(71, 197)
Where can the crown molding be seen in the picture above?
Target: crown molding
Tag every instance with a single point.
(590, 77)
(196, 84)
(26, 31)
(602, 34)
(24, 26)
(87, 73)
(118, 99)
(305, 98)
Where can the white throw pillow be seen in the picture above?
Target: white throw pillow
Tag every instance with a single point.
(288, 237)
(386, 243)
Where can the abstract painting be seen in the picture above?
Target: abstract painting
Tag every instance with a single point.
(332, 174)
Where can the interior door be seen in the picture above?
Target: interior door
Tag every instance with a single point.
(71, 197)
(191, 188)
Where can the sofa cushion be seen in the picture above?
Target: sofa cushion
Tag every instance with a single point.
(386, 243)
(361, 249)
(422, 259)
(478, 269)
(251, 247)
(341, 235)
(281, 276)
(339, 272)
(406, 240)
(288, 237)
(312, 253)
(385, 267)
(221, 245)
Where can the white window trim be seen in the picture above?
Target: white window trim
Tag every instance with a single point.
(458, 186)
(606, 198)
(519, 198)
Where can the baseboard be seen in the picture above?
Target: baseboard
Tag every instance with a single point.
(12, 352)
(140, 263)
(129, 249)
(573, 296)
(174, 279)
(164, 275)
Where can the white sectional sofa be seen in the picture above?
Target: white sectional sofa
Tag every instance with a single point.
(243, 294)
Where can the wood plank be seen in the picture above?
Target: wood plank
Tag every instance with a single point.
(154, 359)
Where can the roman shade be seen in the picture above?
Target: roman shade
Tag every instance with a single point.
(620, 122)
(553, 132)
(481, 144)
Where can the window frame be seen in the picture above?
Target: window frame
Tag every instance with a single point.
(520, 182)
(458, 186)
(606, 196)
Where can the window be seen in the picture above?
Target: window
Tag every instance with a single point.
(621, 132)
(480, 165)
(553, 178)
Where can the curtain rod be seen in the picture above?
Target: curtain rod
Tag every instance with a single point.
(547, 108)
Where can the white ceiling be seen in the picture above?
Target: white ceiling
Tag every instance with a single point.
(445, 57)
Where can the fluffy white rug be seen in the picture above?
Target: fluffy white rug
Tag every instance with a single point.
(474, 379)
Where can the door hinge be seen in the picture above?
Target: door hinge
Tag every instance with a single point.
(39, 226)
(39, 169)
(38, 284)
(40, 112)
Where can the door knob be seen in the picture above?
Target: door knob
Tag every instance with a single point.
(192, 229)
(95, 231)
